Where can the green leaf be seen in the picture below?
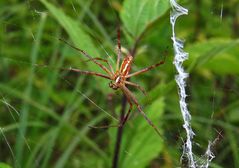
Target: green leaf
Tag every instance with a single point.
(74, 29)
(140, 142)
(4, 165)
(79, 37)
(138, 14)
(217, 55)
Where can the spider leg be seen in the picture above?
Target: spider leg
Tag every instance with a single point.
(137, 86)
(90, 57)
(104, 126)
(129, 111)
(103, 60)
(86, 72)
(122, 121)
(128, 92)
(145, 69)
(119, 49)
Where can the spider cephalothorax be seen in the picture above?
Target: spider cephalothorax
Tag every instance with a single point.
(119, 77)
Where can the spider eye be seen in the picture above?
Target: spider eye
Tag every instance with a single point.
(113, 86)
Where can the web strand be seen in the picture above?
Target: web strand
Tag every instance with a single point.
(180, 57)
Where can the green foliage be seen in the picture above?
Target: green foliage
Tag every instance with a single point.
(76, 33)
(140, 142)
(45, 112)
(215, 55)
(3, 165)
(73, 28)
(137, 15)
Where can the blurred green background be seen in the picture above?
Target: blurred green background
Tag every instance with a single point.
(45, 112)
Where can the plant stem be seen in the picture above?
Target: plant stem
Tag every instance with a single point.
(119, 134)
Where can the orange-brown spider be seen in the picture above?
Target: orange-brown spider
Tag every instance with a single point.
(118, 78)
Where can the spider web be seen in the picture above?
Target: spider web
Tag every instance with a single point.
(180, 56)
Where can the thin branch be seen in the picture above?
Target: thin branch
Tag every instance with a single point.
(119, 134)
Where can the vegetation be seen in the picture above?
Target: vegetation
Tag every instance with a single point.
(45, 112)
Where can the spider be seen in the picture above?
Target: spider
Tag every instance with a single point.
(119, 78)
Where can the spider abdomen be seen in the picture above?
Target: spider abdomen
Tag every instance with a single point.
(126, 65)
